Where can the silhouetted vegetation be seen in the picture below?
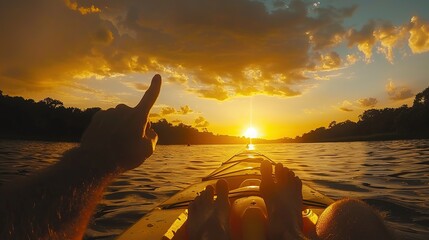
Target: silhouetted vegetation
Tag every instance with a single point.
(185, 134)
(44, 120)
(379, 124)
(50, 120)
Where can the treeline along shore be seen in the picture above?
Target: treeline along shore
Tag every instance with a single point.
(49, 120)
(378, 124)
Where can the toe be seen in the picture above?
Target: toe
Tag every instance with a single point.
(209, 193)
(222, 189)
(288, 176)
(266, 171)
(267, 183)
(280, 174)
(297, 184)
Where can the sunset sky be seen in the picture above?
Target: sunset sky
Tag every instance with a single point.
(285, 67)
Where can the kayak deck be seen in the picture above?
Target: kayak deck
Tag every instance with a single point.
(242, 173)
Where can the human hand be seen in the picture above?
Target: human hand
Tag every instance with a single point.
(121, 138)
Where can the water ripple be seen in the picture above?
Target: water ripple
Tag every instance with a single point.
(391, 176)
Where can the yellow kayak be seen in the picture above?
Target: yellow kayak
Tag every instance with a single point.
(242, 172)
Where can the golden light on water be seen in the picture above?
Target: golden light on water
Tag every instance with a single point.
(250, 146)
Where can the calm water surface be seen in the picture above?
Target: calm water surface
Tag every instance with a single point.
(392, 176)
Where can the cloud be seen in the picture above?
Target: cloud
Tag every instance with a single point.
(185, 110)
(398, 92)
(345, 109)
(384, 36)
(201, 122)
(37, 52)
(351, 59)
(329, 30)
(419, 35)
(136, 85)
(167, 111)
(346, 106)
(216, 92)
(330, 61)
(83, 10)
(216, 49)
(367, 102)
(388, 36)
(205, 45)
(154, 115)
(364, 39)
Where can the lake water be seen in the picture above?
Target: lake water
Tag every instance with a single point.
(392, 176)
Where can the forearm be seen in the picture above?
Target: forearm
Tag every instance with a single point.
(57, 202)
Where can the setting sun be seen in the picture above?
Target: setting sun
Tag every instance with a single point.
(251, 132)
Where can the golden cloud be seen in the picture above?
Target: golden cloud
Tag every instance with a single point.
(167, 111)
(154, 115)
(176, 121)
(346, 106)
(329, 61)
(385, 37)
(367, 102)
(398, 92)
(83, 10)
(351, 59)
(194, 42)
(217, 49)
(201, 122)
(388, 36)
(419, 35)
(364, 39)
(185, 110)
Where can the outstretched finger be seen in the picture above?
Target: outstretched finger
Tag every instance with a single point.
(150, 96)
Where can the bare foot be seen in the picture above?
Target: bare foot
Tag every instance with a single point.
(283, 200)
(209, 219)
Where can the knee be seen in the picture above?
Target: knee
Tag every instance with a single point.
(351, 219)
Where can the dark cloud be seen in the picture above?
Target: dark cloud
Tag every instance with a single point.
(345, 109)
(45, 44)
(364, 39)
(346, 106)
(367, 102)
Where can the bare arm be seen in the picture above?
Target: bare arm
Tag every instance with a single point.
(57, 202)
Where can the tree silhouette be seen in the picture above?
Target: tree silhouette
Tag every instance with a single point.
(50, 120)
(52, 102)
(379, 124)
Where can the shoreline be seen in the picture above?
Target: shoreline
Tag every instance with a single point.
(367, 138)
